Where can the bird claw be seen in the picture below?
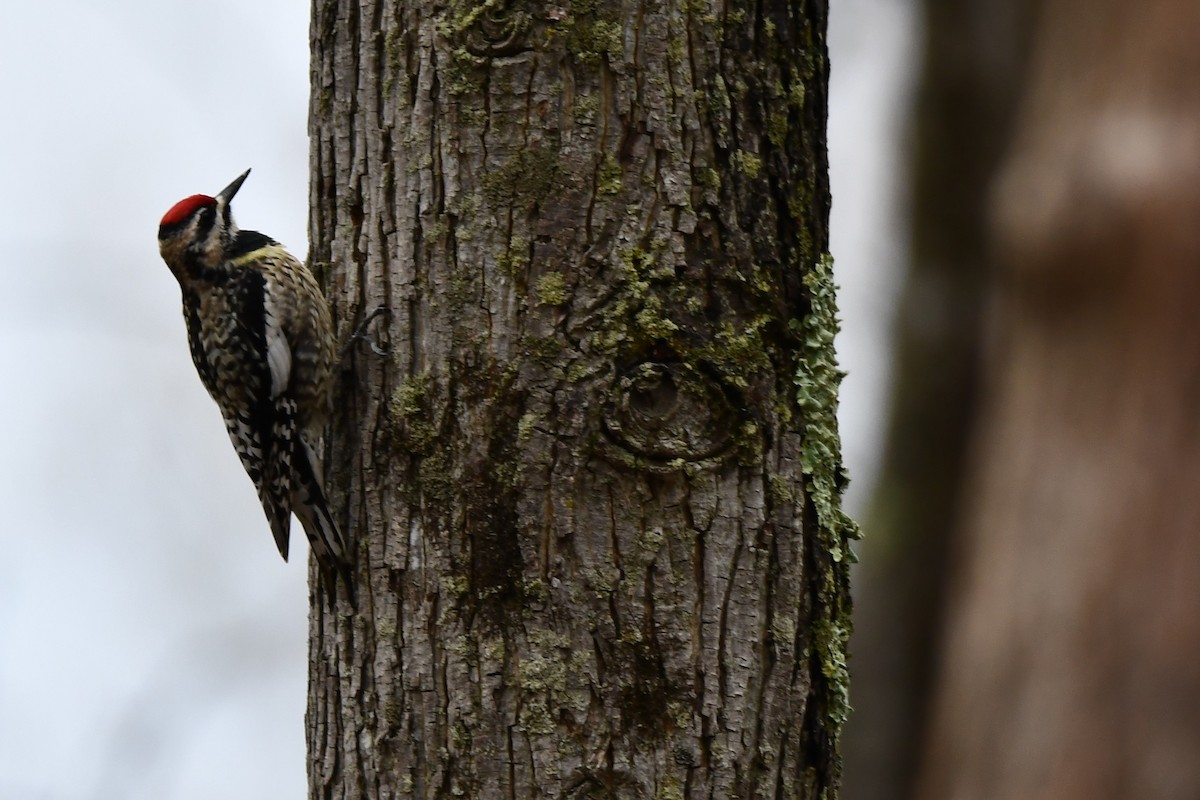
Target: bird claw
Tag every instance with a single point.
(360, 334)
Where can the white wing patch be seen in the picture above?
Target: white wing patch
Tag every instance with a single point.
(279, 352)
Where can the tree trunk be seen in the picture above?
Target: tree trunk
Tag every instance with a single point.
(594, 485)
(1070, 664)
(973, 72)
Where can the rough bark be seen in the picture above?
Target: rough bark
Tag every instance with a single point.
(1070, 661)
(594, 484)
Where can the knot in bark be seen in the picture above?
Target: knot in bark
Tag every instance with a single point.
(667, 415)
(500, 30)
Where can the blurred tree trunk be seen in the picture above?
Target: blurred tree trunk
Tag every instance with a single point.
(595, 484)
(967, 88)
(1070, 664)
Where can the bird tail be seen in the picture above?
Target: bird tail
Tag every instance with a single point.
(311, 508)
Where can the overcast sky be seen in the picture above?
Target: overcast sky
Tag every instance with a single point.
(152, 643)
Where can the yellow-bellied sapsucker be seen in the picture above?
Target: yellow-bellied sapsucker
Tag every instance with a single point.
(262, 340)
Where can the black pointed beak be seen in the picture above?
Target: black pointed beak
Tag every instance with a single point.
(229, 191)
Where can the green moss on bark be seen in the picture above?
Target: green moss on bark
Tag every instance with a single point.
(816, 386)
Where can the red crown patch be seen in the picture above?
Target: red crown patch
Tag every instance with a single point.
(184, 208)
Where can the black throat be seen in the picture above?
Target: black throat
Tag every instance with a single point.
(248, 242)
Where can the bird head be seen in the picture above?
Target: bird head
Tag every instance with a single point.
(199, 229)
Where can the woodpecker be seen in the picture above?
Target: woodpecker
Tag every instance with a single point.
(262, 340)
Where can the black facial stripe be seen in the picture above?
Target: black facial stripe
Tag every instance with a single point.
(208, 215)
(167, 231)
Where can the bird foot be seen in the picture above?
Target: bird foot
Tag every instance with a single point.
(361, 335)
